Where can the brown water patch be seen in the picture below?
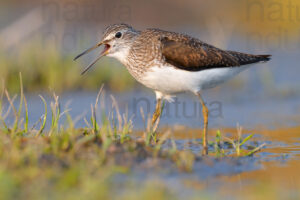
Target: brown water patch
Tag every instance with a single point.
(277, 178)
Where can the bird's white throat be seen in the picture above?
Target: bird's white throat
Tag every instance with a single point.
(121, 54)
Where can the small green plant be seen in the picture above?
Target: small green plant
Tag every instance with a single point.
(56, 114)
(150, 134)
(219, 151)
(237, 145)
(44, 116)
(161, 141)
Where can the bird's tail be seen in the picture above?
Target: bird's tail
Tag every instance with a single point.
(245, 59)
(264, 58)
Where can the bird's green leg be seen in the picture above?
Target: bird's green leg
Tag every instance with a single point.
(157, 112)
(205, 121)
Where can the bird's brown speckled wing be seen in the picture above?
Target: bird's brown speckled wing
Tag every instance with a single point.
(193, 55)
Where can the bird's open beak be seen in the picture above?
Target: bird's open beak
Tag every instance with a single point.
(103, 53)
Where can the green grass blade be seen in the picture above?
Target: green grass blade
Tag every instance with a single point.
(45, 116)
(26, 116)
(246, 139)
(256, 150)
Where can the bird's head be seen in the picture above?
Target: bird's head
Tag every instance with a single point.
(117, 40)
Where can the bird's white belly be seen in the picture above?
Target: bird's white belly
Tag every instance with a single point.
(170, 80)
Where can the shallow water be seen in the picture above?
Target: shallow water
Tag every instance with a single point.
(272, 173)
(240, 107)
(274, 170)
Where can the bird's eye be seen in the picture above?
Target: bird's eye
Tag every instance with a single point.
(118, 35)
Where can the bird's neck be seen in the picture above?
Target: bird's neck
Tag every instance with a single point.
(121, 55)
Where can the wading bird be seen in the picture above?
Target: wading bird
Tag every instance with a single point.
(171, 63)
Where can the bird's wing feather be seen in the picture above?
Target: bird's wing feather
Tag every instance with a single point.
(193, 55)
